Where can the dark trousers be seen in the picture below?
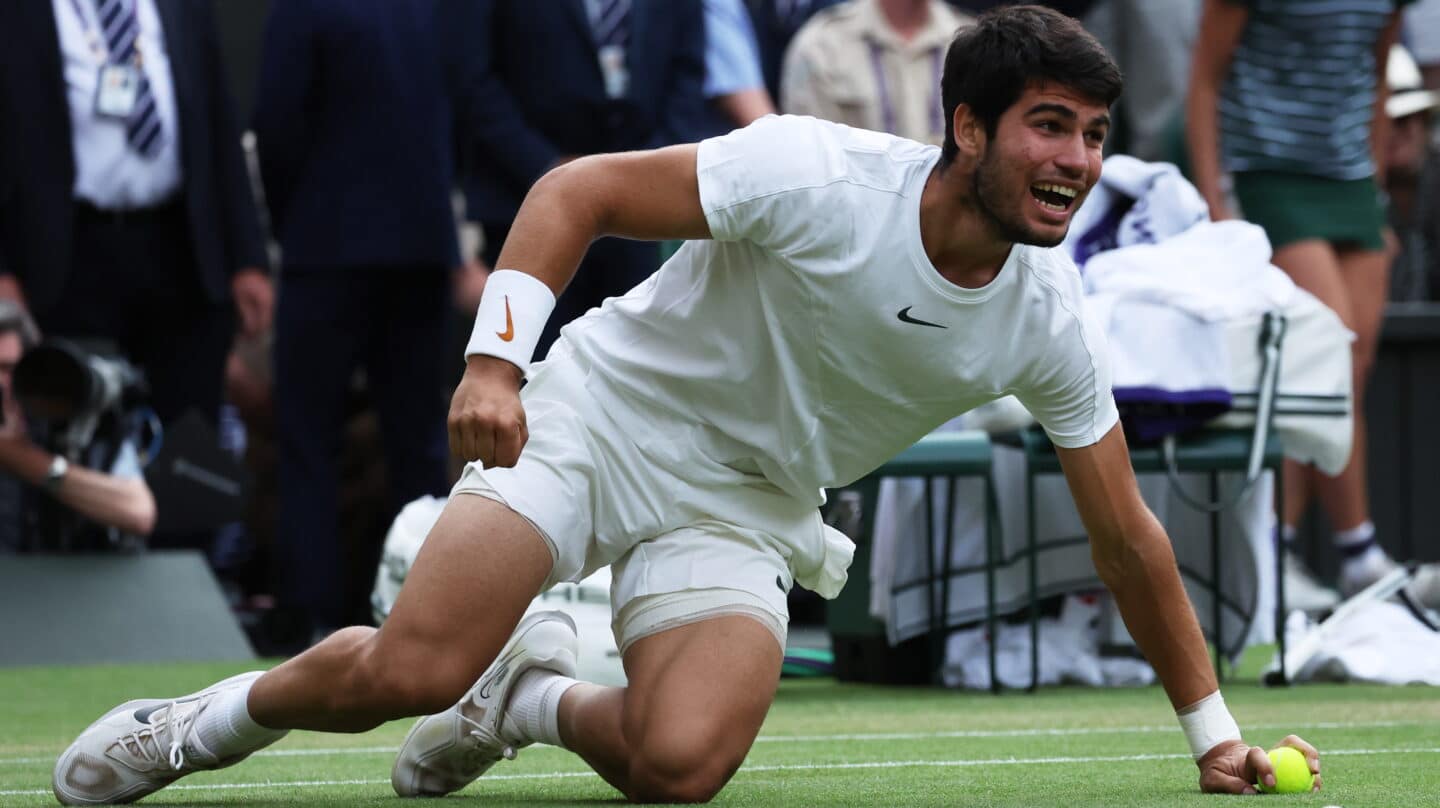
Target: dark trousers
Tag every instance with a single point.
(134, 284)
(611, 267)
(394, 323)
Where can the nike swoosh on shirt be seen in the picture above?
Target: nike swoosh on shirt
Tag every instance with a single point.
(509, 332)
(905, 317)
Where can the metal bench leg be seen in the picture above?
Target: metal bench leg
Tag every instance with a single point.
(1280, 570)
(1032, 567)
(992, 555)
(1217, 615)
(930, 577)
(945, 559)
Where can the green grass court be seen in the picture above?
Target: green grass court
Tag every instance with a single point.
(824, 744)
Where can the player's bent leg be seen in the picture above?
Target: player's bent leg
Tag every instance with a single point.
(474, 577)
(696, 698)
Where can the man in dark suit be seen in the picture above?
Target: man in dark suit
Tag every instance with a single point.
(125, 210)
(555, 80)
(353, 129)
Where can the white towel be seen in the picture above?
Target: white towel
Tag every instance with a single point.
(1134, 202)
(1215, 271)
(1379, 642)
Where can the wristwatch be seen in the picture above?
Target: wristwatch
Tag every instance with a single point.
(56, 475)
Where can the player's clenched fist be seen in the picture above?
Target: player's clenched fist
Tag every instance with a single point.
(486, 420)
(1236, 768)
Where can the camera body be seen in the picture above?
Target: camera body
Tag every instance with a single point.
(83, 405)
(78, 391)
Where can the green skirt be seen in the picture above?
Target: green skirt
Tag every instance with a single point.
(1296, 207)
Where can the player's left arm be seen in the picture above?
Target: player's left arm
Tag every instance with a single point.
(1133, 557)
(1135, 560)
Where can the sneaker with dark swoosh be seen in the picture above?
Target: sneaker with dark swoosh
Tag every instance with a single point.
(139, 748)
(447, 751)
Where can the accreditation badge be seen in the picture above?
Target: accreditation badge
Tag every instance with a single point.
(117, 90)
(615, 71)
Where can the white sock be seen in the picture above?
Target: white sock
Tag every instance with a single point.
(1287, 534)
(1355, 537)
(226, 729)
(533, 713)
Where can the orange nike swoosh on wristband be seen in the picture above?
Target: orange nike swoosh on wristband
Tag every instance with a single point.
(509, 332)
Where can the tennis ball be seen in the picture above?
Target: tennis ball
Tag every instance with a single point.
(1292, 772)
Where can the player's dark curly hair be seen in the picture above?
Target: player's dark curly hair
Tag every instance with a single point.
(989, 64)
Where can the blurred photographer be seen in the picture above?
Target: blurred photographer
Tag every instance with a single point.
(32, 477)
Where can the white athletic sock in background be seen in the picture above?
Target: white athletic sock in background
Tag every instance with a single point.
(1287, 534)
(533, 713)
(1355, 537)
(226, 729)
(1358, 548)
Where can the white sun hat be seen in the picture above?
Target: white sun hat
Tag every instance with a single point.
(1407, 89)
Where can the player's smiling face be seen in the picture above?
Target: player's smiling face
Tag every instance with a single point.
(1043, 160)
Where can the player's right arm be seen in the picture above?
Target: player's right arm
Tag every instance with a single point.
(652, 195)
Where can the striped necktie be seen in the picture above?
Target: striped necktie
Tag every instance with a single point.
(612, 23)
(121, 26)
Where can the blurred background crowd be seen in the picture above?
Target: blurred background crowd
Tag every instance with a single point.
(241, 242)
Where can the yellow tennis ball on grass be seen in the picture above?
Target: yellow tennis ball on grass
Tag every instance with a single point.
(1292, 772)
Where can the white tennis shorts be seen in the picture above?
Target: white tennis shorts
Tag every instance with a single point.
(681, 551)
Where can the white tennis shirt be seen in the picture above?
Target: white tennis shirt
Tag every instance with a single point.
(812, 340)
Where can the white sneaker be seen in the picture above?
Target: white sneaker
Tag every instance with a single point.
(1303, 592)
(445, 752)
(1358, 573)
(139, 748)
(1425, 587)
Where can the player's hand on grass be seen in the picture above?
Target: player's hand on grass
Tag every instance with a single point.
(486, 420)
(1235, 767)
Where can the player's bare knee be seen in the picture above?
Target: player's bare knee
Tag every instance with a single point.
(677, 787)
(688, 773)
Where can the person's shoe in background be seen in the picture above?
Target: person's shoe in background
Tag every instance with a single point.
(1303, 592)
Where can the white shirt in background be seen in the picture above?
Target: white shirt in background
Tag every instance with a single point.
(848, 65)
(109, 173)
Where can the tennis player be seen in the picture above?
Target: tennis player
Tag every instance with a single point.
(840, 294)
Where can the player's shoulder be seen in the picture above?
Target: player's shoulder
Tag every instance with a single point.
(802, 144)
(1053, 270)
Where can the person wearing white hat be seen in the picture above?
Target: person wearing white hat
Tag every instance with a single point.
(1412, 178)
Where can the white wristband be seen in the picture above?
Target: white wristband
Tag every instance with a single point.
(513, 311)
(1206, 723)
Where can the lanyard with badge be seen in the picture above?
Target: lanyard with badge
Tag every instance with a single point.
(117, 86)
(888, 119)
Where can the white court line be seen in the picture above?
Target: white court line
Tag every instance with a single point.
(871, 736)
(808, 767)
(1064, 731)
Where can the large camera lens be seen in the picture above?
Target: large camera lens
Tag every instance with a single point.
(59, 380)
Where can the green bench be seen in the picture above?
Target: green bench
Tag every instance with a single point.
(939, 456)
(949, 456)
(1209, 452)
